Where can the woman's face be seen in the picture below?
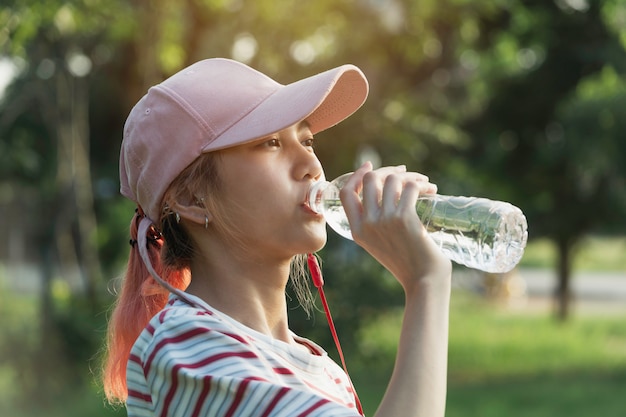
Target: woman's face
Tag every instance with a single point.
(263, 191)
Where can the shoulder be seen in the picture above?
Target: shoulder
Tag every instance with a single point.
(182, 327)
(192, 359)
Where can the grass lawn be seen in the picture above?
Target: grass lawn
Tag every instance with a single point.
(513, 364)
(543, 395)
(501, 363)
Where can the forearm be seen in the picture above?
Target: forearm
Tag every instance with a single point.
(384, 222)
(418, 384)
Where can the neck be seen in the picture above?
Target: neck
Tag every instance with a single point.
(251, 291)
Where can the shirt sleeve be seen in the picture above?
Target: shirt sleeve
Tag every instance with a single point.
(191, 369)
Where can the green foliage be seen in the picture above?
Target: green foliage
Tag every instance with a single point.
(513, 100)
(529, 117)
(18, 338)
(55, 359)
(31, 23)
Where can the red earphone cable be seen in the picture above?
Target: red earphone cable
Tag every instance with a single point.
(318, 281)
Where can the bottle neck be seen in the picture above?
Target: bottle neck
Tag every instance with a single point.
(314, 197)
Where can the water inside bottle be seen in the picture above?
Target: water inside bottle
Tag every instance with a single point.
(336, 217)
(476, 232)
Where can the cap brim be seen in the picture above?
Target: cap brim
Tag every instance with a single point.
(323, 100)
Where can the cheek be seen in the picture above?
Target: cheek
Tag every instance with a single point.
(255, 192)
(249, 205)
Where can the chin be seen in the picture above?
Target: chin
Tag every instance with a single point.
(317, 241)
(320, 246)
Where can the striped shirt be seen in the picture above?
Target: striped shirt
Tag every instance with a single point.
(192, 360)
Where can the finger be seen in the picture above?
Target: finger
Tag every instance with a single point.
(373, 184)
(372, 193)
(349, 193)
(392, 191)
(412, 191)
(427, 188)
(409, 196)
(415, 176)
(354, 183)
(402, 173)
(384, 172)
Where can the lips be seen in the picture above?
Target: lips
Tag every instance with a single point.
(308, 209)
(305, 200)
(306, 203)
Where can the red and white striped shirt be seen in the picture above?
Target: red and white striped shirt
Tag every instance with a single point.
(192, 360)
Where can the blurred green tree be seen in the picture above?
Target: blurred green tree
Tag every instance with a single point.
(547, 136)
(496, 98)
(47, 162)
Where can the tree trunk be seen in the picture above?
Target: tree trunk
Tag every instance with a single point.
(563, 294)
(85, 206)
(74, 181)
(148, 40)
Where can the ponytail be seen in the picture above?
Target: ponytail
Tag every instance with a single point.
(140, 298)
(145, 289)
(159, 264)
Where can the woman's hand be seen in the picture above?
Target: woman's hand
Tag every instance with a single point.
(386, 224)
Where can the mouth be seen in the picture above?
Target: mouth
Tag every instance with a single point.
(306, 205)
(309, 198)
(309, 210)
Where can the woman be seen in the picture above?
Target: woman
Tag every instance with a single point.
(219, 158)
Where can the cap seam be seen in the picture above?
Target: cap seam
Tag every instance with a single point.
(141, 164)
(189, 109)
(243, 114)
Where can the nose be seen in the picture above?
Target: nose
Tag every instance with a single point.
(317, 171)
(308, 165)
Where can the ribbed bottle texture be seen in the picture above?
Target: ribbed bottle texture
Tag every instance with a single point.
(476, 232)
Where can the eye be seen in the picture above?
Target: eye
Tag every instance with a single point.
(310, 143)
(272, 143)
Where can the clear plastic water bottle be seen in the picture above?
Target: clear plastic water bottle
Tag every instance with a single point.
(476, 232)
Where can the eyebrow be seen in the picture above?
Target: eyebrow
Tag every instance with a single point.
(304, 125)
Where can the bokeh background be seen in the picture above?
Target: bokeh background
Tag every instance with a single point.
(515, 100)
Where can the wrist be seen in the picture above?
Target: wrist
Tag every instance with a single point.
(430, 285)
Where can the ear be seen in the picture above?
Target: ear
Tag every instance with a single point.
(192, 213)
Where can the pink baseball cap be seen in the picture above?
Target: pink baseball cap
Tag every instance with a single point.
(219, 103)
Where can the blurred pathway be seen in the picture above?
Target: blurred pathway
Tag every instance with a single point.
(533, 289)
(602, 286)
(593, 292)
